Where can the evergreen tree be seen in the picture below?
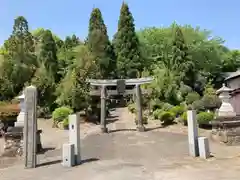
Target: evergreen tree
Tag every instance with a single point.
(48, 54)
(100, 46)
(126, 45)
(181, 60)
(20, 56)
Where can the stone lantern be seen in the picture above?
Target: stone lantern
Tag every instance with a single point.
(20, 118)
(226, 109)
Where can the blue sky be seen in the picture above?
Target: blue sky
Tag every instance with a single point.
(65, 17)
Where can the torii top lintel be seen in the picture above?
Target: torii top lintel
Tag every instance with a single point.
(113, 82)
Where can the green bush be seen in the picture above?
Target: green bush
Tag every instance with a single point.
(61, 113)
(157, 113)
(184, 118)
(156, 104)
(191, 97)
(166, 106)
(132, 107)
(167, 118)
(65, 122)
(211, 102)
(198, 105)
(205, 117)
(177, 110)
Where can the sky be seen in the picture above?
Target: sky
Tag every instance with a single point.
(66, 17)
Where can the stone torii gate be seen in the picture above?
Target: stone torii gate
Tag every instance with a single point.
(121, 90)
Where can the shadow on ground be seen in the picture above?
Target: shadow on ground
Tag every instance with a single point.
(134, 129)
(59, 161)
(44, 150)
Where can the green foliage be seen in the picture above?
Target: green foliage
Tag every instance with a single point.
(181, 59)
(126, 45)
(100, 46)
(18, 60)
(61, 113)
(157, 113)
(191, 97)
(132, 108)
(44, 81)
(73, 89)
(167, 117)
(205, 117)
(184, 118)
(177, 110)
(198, 105)
(48, 54)
(210, 100)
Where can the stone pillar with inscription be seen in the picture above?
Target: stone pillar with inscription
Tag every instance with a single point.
(30, 127)
(140, 126)
(103, 109)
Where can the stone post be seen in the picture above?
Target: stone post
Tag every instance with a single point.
(30, 127)
(192, 133)
(74, 136)
(103, 109)
(139, 117)
(203, 144)
(20, 118)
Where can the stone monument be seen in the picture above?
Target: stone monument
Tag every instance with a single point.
(226, 126)
(226, 109)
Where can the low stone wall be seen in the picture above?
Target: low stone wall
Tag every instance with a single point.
(13, 145)
(226, 130)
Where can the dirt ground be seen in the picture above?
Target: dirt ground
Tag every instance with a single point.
(159, 153)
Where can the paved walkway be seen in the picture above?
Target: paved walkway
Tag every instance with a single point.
(130, 155)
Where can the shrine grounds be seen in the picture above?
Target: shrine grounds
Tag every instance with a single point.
(125, 154)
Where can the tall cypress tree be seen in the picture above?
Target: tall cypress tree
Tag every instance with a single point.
(20, 56)
(126, 45)
(181, 59)
(48, 53)
(100, 46)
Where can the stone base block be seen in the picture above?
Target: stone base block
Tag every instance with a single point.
(203, 145)
(68, 157)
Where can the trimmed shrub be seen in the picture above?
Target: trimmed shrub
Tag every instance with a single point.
(156, 104)
(205, 117)
(132, 108)
(177, 110)
(157, 113)
(167, 118)
(166, 106)
(211, 102)
(61, 113)
(191, 97)
(198, 105)
(184, 118)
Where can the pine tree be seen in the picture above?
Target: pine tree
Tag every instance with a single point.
(48, 54)
(100, 46)
(126, 45)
